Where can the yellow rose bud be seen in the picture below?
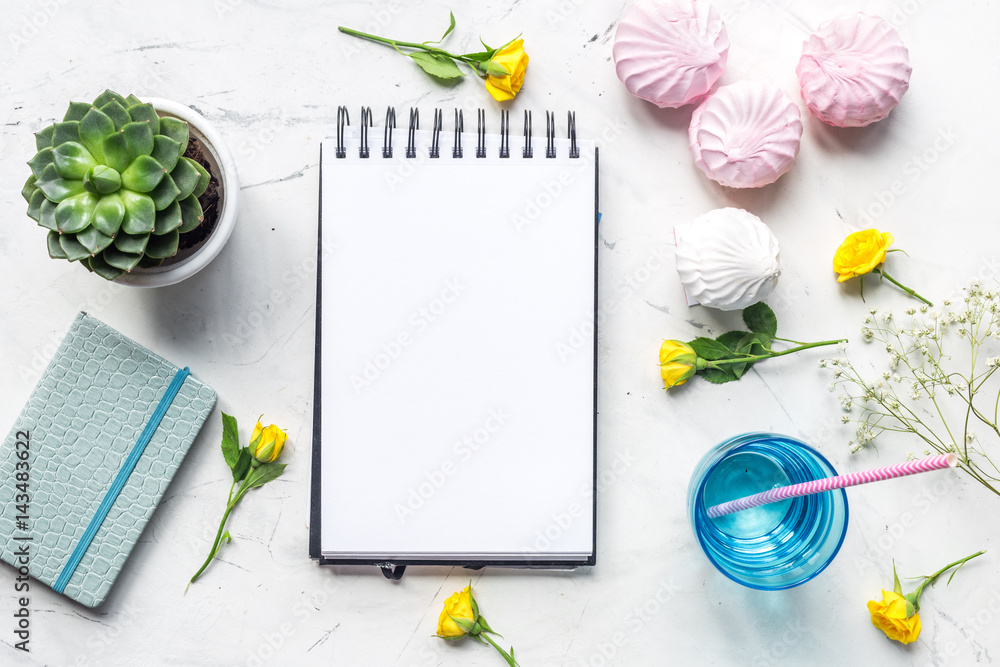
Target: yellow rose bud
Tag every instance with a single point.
(266, 443)
(860, 253)
(504, 81)
(678, 363)
(889, 616)
(459, 607)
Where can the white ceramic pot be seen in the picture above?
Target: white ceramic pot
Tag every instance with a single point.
(189, 262)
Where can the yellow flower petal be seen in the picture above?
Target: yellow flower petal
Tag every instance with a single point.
(515, 61)
(889, 616)
(860, 253)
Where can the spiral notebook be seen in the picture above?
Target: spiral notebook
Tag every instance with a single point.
(455, 382)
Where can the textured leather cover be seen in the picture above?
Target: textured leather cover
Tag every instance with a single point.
(82, 419)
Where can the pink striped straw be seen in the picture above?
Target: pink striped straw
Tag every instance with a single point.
(832, 483)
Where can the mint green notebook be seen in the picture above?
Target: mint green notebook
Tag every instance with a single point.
(101, 435)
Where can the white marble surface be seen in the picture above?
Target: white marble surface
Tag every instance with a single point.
(271, 74)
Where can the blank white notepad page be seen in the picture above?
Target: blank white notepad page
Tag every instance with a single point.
(457, 352)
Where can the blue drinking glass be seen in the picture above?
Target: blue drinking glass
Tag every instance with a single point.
(773, 546)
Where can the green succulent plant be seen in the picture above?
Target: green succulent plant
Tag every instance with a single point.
(112, 185)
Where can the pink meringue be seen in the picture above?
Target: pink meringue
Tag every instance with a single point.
(670, 52)
(745, 135)
(853, 70)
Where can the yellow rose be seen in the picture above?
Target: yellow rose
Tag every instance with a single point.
(678, 363)
(266, 443)
(860, 253)
(461, 607)
(889, 616)
(505, 71)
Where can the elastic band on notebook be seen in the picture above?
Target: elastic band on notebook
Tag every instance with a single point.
(123, 474)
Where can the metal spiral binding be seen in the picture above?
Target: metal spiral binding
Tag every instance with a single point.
(574, 150)
(550, 134)
(526, 151)
(504, 134)
(366, 122)
(436, 136)
(456, 150)
(481, 133)
(342, 120)
(411, 138)
(390, 125)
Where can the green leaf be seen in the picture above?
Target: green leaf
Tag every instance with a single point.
(35, 205)
(74, 214)
(72, 160)
(436, 65)
(706, 348)
(230, 440)
(116, 152)
(168, 219)
(480, 57)
(56, 187)
(242, 465)
(191, 214)
(139, 139)
(103, 269)
(163, 246)
(717, 376)
(109, 96)
(165, 192)
(140, 213)
(204, 179)
(43, 138)
(117, 113)
(134, 244)
(48, 217)
(55, 250)
(72, 248)
(144, 113)
(108, 214)
(759, 318)
(40, 161)
(94, 128)
(63, 132)
(131, 101)
(76, 111)
(143, 175)
(176, 129)
(186, 177)
(739, 370)
(29, 188)
(94, 241)
(264, 474)
(165, 151)
(496, 69)
(125, 261)
(448, 31)
(733, 340)
(148, 262)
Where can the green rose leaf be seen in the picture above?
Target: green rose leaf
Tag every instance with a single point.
(242, 465)
(759, 318)
(437, 65)
(718, 375)
(265, 474)
(709, 349)
(230, 440)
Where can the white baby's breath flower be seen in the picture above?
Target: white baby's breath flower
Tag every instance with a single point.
(910, 456)
(845, 419)
(867, 334)
(911, 311)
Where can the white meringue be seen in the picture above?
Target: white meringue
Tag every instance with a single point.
(727, 259)
(745, 135)
(670, 52)
(853, 70)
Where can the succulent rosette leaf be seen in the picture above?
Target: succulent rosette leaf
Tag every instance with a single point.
(111, 184)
